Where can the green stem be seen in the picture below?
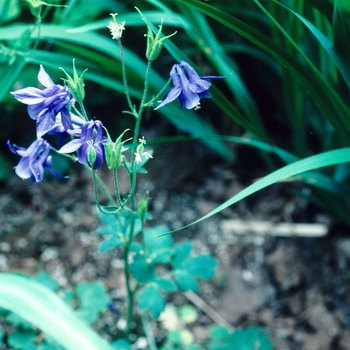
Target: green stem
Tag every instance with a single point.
(94, 178)
(79, 114)
(160, 93)
(130, 292)
(148, 331)
(116, 186)
(83, 111)
(126, 87)
(145, 89)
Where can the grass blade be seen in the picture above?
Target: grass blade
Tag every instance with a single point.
(318, 161)
(42, 307)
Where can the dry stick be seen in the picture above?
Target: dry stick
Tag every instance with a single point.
(207, 309)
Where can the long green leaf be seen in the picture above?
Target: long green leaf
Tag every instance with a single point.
(328, 101)
(331, 49)
(42, 307)
(318, 161)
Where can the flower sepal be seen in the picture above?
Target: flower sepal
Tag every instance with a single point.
(155, 43)
(113, 150)
(75, 83)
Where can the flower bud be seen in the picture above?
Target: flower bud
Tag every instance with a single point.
(143, 206)
(35, 6)
(113, 150)
(91, 154)
(155, 44)
(75, 84)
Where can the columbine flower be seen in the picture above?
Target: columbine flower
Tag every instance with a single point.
(90, 136)
(45, 105)
(34, 159)
(189, 88)
(116, 28)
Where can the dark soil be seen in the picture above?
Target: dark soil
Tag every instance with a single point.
(296, 287)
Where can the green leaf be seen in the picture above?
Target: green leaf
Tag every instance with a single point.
(9, 10)
(19, 321)
(142, 270)
(252, 338)
(153, 239)
(327, 99)
(185, 281)
(202, 266)
(166, 284)
(20, 339)
(93, 300)
(9, 74)
(181, 253)
(334, 53)
(92, 294)
(45, 279)
(150, 299)
(109, 244)
(121, 344)
(310, 163)
(109, 219)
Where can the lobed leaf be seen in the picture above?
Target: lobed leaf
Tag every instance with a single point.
(181, 253)
(152, 241)
(202, 266)
(166, 284)
(150, 299)
(110, 243)
(185, 281)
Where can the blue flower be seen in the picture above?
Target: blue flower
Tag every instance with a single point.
(34, 159)
(45, 105)
(189, 88)
(90, 136)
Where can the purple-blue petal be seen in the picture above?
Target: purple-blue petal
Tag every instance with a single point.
(44, 78)
(71, 146)
(35, 110)
(29, 95)
(65, 118)
(22, 169)
(170, 96)
(34, 159)
(44, 122)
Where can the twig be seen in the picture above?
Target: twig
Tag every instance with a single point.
(207, 309)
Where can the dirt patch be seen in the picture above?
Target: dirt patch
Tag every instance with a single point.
(298, 288)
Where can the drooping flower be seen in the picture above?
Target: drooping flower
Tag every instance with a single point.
(58, 128)
(189, 87)
(91, 136)
(45, 105)
(34, 159)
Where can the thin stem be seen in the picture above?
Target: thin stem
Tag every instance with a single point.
(148, 331)
(145, 89)
(98, 180)
(83, 111)
(136, 134)
(116, 186)
(126, 88)
(160, 93)
(127, 278)
(79, 114)
(96, 193)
